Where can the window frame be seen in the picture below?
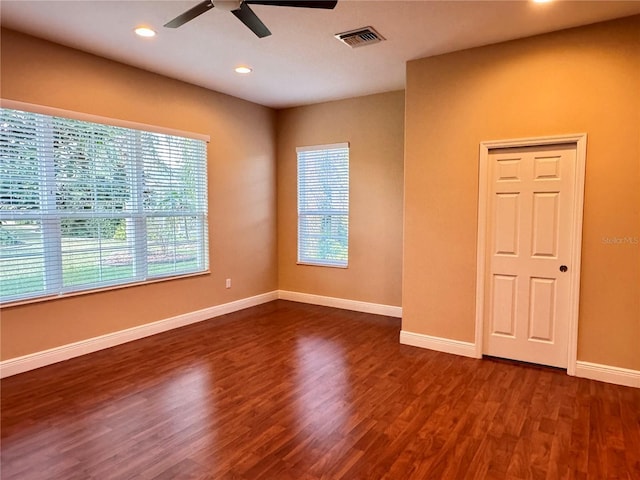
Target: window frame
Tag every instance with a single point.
(302, 212)
(51, 218)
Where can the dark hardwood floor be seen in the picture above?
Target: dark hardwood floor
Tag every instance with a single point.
(292, 391)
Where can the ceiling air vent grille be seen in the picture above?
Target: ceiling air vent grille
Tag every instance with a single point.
(360, 37)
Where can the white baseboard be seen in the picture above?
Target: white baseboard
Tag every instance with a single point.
(32, 361)
(606, 373)
(592, 371)
(446, 345)
(355, 305)
(13, 366)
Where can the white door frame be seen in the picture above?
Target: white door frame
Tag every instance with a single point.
(580, 141)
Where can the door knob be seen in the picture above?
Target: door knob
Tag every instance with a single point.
(563, 268)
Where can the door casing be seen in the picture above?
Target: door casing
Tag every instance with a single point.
(580, 141)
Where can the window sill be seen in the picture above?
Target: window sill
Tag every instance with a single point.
(313, 264)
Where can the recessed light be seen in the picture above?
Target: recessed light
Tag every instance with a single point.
(145, 32)
(243, 69)
(541, 1)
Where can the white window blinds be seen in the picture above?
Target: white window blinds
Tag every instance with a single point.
(85, 205)
(323, 205)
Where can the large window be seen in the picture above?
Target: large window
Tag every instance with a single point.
(86, 205)
(323, 205)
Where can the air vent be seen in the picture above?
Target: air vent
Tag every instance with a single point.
(360, 37)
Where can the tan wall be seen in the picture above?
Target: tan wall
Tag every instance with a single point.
(242, 202)
(374, 126)
(580, 80)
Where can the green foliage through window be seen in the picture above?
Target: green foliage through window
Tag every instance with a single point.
(323, 205)
(86, 205)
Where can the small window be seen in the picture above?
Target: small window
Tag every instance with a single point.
(86, 205)
(323, 205)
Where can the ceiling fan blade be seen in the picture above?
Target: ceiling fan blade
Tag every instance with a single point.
(190, 14)
(251, 20)
(296, 3)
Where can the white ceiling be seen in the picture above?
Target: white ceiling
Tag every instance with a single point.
(301, 62)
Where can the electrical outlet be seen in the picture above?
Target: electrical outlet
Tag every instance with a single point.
(228, 283)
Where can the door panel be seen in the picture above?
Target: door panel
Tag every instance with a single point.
(545, 227)
(507, 223)
(542, 309)
(529, 238)
(503, 312)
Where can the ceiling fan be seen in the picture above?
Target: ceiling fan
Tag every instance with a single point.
(242, 11)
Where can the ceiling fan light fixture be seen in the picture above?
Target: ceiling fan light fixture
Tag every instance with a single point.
(228, 5)
(243, 70)
(145, 32)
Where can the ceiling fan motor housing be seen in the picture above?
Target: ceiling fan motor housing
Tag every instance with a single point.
(228, 5)
(242, 11)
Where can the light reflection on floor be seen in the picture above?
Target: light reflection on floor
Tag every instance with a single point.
(321, 386)
(190, 391)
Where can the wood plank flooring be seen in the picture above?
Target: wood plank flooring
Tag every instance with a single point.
(292, 391)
